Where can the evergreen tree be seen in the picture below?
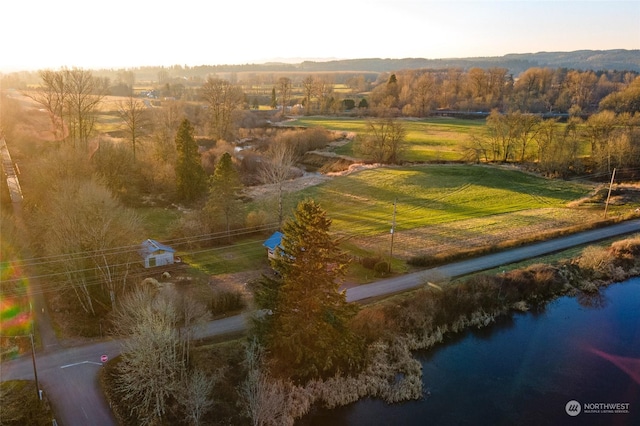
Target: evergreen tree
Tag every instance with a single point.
(191, 179)
(274, 99)
(307, 324)
(224, 189)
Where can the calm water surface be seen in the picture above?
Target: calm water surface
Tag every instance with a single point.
(524, 370)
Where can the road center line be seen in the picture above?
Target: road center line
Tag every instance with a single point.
(79, 363)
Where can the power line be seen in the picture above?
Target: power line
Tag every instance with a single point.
(354, 227)
(135, 248)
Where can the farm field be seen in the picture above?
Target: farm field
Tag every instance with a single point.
(447, 208)
(429, 139)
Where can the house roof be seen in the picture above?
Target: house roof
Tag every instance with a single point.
(273, 241)
(151, 246)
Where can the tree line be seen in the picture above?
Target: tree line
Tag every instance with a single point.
(536, 90)
(408, 92)
(599, 144)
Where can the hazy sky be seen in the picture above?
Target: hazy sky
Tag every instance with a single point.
(38, 34)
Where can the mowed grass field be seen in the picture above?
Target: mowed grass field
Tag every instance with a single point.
(446, 207)
(430, 139)
(425, 195)
(440, 209)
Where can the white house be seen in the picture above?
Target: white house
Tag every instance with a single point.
(156, 254)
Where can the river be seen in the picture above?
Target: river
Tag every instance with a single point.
(526, 370)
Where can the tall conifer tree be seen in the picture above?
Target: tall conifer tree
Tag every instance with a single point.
(224, 188)
(191, 179)
(308, 334)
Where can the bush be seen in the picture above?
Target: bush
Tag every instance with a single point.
(225, 301)
(21, 406)
(370, 262)
(372, 324)
(596, 262)
(626, 252)
(422, 260)
(381, 268)
(257, 219)
(304, 140)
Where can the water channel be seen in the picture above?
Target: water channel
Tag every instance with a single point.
(524, 370)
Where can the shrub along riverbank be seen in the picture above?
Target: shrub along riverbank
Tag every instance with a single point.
(421, 319)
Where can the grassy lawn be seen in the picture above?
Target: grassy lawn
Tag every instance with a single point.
(430, 139)
(362, 203)
(438, 208)
(158, 221)
(444, 209)
(241, 256)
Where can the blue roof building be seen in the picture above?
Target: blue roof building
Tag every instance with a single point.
(274, 241)
(154, 253)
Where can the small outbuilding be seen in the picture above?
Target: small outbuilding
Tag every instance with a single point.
(154, 253)
(272, 243)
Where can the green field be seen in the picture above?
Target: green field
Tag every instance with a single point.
(362, 203)
(430, 139)
(244, 255)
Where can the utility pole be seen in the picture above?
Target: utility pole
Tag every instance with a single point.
(393, 228)
(33, 352)
(35, 372)
(606, 205)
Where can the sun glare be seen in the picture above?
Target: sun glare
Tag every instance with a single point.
(16, 319)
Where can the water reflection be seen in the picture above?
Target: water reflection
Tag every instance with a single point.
(524, 369)
(596, 300)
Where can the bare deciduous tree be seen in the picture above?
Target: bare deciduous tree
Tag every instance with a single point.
(83, 96)
(52, 96)
(324, 92)
(134, 114)
(265, 398)
(383, 141)
(157, 325)
(151, 365)
(223, 99)
(527, 127)
(192, 314)
(424, 93)
(284, 93)
(276, 168)
(195, 396)
(309, 90)
(85, 224)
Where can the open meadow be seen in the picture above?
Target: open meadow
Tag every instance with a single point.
(444, 210)
(429, 139)
(446, 207)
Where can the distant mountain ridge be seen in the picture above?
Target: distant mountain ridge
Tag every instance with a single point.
(596, 60)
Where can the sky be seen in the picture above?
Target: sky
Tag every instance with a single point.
(38, 34)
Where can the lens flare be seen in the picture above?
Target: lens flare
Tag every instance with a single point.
(15, 310)
(631, 366)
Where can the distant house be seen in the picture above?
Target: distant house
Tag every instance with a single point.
(154, 253)
(272, 243)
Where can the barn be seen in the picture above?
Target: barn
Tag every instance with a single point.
(154, 253)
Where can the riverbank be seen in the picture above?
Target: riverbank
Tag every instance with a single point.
(396, 327)
(524, 369)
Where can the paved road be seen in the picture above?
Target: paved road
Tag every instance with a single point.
(69, 375)
(452, 270)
